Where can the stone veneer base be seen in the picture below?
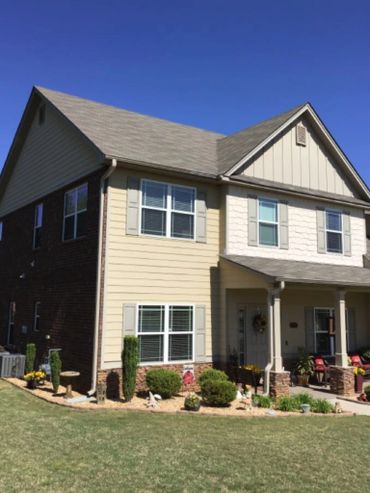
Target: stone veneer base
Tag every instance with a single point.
(342, 381)
(113, 378)
(279, 383)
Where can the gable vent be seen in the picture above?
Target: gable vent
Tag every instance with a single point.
(301, 135)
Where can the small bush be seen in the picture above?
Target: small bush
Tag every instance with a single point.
(218, 392)
(30, 357)
(303, 398)
(56, 368)
(262, 400)
(166, 383)
(212, 374)
(287, 403)
(366, 354)
(322, 406)
(192, 402)
(367, 392)
(130, 359)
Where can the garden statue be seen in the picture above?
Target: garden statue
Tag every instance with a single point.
(153, 400)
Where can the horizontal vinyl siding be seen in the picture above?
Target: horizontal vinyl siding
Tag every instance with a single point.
(307, 166)
(146, 269)
(53, 155)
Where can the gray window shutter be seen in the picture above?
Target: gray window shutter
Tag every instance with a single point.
(129, 319)
(200, 333)
(201, 219)
(321, 243)
(133, 205)
(309, 329)
(252, 220)
(351, 328)
(347, 234)
(283, 225)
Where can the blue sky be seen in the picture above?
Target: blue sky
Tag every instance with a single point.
(216, 64)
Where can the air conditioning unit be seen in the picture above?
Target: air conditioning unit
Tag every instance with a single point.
(12, 365)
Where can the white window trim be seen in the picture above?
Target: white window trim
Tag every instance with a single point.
(38, 226)
(166, 333)
(75, 213)
(168, 209)
(337, 211)
(36, 315)
(275, 223)
(332, 311)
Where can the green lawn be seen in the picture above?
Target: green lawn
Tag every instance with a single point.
(49, 448)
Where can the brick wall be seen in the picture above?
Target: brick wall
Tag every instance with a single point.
(61, 275)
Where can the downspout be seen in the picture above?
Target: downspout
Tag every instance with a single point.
(268, 367)
(94, 370)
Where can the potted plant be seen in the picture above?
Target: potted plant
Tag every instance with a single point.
(304, 368)
(359, 378)
(192, 402)
(33, 378)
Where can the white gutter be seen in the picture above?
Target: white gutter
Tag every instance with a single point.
(94, 370)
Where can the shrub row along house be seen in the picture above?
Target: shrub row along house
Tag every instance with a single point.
(207, 247)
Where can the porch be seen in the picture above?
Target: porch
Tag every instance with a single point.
(274, 309)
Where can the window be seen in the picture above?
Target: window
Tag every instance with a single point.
(1, 231)
(165, 333)
(37, 226)
(167, 210)
(36, 316)
(268, 222)
(334, 231)
(324, 319)
(75, 212)
(11, 320)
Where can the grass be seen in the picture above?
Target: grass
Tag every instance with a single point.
(46, 448)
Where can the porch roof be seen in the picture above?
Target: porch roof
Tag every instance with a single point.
(303, 272)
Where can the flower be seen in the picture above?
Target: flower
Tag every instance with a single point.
(35, 375)
(252, 368)
(358, 371)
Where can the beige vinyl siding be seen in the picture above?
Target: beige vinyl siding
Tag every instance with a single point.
(307, 166)
(142, 269)
(53, 155)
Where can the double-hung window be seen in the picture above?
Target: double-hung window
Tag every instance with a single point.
(165, 333)
(37, 226)
(75, 212)
(334, 231)
(1, 231)
(268, 222)
(167, 210)
(36, 316)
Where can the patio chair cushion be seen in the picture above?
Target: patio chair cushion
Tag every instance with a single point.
(356, 360)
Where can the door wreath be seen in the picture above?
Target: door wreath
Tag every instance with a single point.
(259, 323)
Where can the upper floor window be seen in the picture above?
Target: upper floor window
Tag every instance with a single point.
(268, 222)
(36, 316)
(167, 210)
(334, 231)
(37, 226)
(75, 212)
(1, 230)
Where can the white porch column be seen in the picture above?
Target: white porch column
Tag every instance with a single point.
(278, 360)
(341, 357)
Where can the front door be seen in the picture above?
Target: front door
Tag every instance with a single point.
(252, 340)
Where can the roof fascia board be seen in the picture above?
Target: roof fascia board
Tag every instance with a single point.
(323, 282)
(328, 137)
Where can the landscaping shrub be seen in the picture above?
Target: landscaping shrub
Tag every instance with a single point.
(303, 398)
(212, 374)
(367, 392)
(322, 406)
(130, 359)
(164, 382)
(56, 368)
(192, 402)
(262, 400)
(287, 403)
(366, 354)
(30, 357)
(218, 392)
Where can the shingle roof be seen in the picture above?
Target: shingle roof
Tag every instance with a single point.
(139, 138)
(303, 272)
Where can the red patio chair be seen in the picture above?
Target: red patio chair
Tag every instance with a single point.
(321, 369)
(356, 360)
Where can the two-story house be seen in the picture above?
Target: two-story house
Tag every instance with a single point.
(207, 247)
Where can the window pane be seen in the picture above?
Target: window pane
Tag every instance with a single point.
(153, 222)
(322, 316)
(183, 199)
(180, 347)
(38, 216)
(70, 202)
(151, 318)
(37, 238)
(334, 242)
(150, 348)
(81, 224)
(268, 211)
(268, 234)
(69, 227)
(181, 319)
(154, 194)
(82, 198)
(323, 343)
(333, 221)
(182, 225)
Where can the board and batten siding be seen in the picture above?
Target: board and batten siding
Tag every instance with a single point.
(143, 269)
(302, 230)
(53, 155)
(309, 166)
